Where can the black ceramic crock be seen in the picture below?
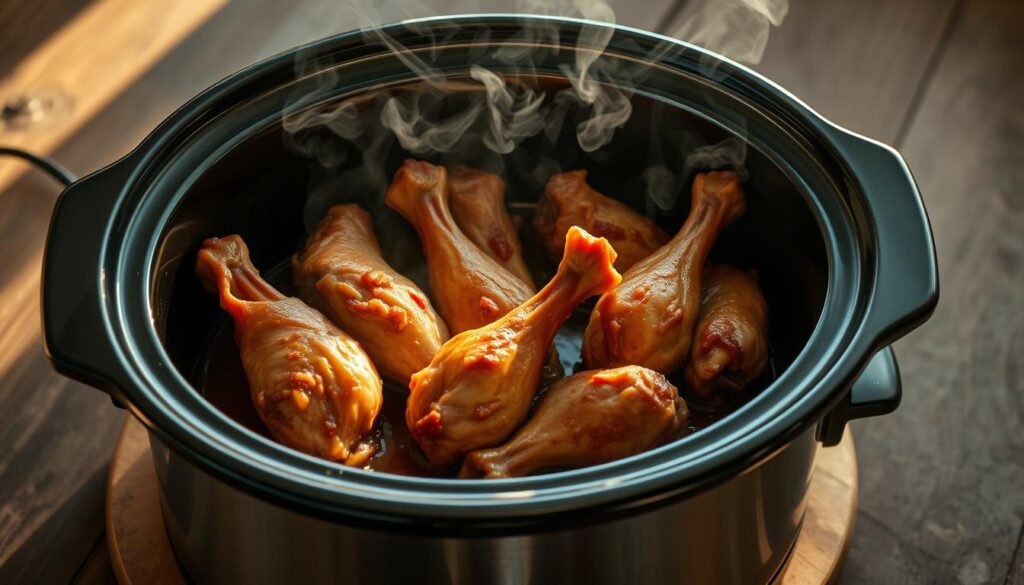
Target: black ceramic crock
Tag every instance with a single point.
(835, 227)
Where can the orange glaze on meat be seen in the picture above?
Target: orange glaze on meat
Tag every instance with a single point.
(589, 418)
(731, 348)
(313, 386)
(648, 320)
(479, 387)
(568, 200)
(470, 288)
(477, 200)
(342, 271)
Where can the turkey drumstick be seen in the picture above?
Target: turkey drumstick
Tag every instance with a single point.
(341, 271)
(730, 346)
(586, 419)
(648, 320)
(313, 385)
(469, 287)
(477, 200)
(479, 386)
(568, 200)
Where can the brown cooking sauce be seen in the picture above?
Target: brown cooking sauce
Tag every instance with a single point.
(221, 379)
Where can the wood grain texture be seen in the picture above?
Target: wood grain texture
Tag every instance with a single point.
(136, 536)
(820, 552)
(33, 26)
(54, 550)
(55, 431)
(91, 59)
(857, 63)
(942, 496)
(141, 553)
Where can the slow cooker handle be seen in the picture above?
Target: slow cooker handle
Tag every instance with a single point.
(906, 286)
(877, 391)
(75, 335)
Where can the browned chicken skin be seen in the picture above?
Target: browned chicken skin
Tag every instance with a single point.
(477, 202)
(313, 385)
(568, 200)
(648, 320)
(730, 347)
(479, 386)
(342, 272)
(469, 287)
(586, 419)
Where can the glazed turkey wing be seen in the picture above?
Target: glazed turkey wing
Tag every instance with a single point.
(341, 271)
(469, 287)
(730, 347)
(589, 418)
(313, 385)
(568, 200)
(477, 200)
(479, 386)
(649, 319)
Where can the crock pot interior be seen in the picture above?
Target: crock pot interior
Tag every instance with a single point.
(271, 195)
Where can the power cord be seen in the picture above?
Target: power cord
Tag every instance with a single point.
(47, 165)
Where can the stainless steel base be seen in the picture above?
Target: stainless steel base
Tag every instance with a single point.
(739, 532)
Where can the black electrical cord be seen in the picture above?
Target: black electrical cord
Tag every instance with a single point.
(47, 165)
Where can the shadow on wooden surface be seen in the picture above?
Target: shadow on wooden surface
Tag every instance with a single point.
(33, 22)
(943, 477)
(55, 550)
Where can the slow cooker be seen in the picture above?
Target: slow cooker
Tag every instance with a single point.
(835, 227)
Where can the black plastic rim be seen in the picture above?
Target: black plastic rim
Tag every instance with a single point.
(180, 417)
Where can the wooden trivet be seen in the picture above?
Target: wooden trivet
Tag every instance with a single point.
(141, 553)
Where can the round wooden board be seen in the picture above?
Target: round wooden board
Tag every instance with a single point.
(141, 553)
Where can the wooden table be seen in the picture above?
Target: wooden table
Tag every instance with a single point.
(942, 479)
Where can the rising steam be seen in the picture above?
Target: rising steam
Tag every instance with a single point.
(738, 29)
(497, 111)
(509, 113)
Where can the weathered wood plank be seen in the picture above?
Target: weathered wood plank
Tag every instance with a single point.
(857, 63)
(55, 550)
(57, 433)
(941, 479)
(942, 496)
(91, 59)
(33, 26)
